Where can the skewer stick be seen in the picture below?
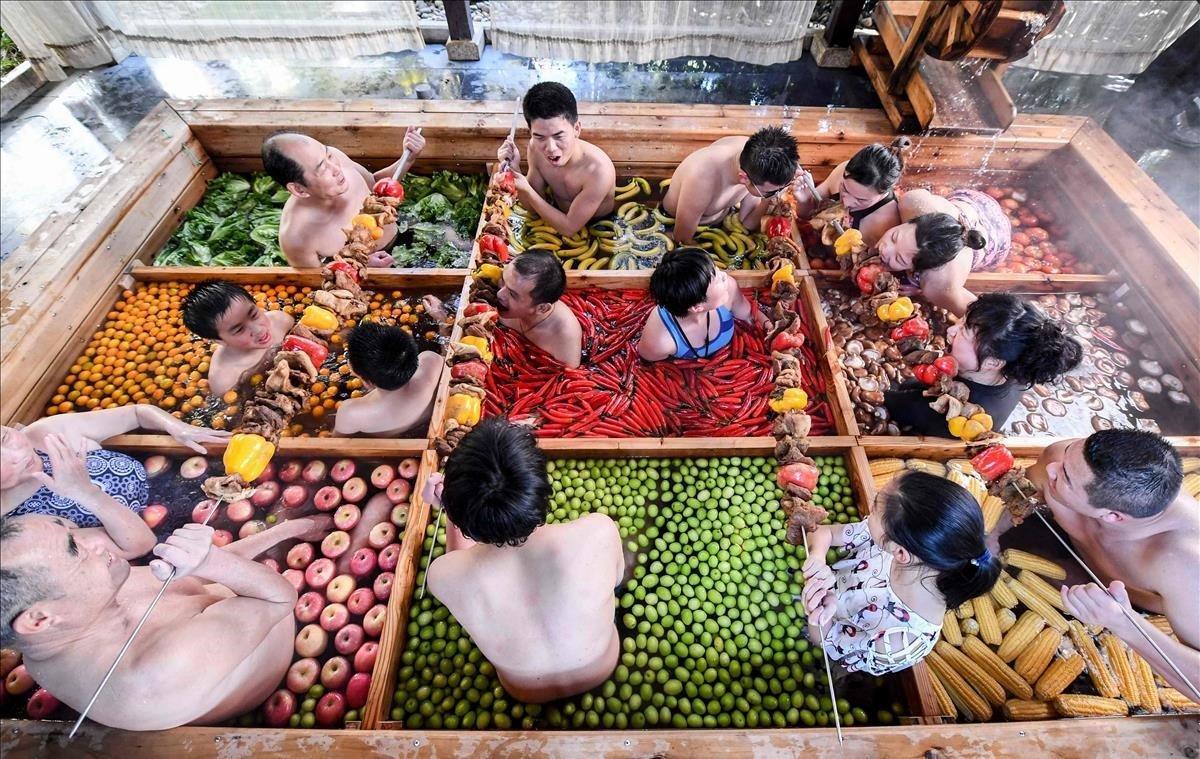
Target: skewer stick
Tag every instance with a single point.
(1128, 614)
(512, 134)
(436, 529)
(125, 648)
(403, 160)
(837, 720)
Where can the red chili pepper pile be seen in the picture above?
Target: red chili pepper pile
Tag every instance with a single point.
(616, 394)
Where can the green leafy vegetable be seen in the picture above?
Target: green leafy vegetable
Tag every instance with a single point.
(235, 224)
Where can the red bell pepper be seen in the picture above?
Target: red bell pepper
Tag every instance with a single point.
(927, 374)
(389, 187)
(778, 226)
(992, 462)
(865, 278)
(506, 183)
(476, 370)
(786, 341)
(946, 365)
(317, 352)
(494, 244)
(346, 268)
(913, 327)
(474, 309)
(801, 475)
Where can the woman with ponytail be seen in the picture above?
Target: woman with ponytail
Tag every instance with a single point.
(866, 186)
(942, 240)
(921, 552)
(1003, 346)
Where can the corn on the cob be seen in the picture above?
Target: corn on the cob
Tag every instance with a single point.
(985, 615)
(1024, 560)
(993, 666)
(1020, 710)
(945, 703)
(1162, 623)
(969, 627)
(950, 631)
(1001, 594)
(993, 507)
(1191, 464)
(1191, 484)
(1037, 604)
(1102, 677)
(970, 703)
(1173, 699)
(1117, 654)
(1021, 635)
(968, 483)
(962, 465)
(1006, 618)
(886, 466)
(1148, 697)
(936, 468)
(1061, 673)
(880, 480)
(1045, 590)
(966, 611)
(984, 684)
(1032, 662)
(1073, 705)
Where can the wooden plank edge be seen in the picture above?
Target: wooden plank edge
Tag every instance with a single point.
(335, 447)
(836, 394)
(984, 282)
(879, 446)
(286, 275)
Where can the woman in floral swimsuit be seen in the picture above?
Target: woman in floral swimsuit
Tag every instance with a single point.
(920, 552)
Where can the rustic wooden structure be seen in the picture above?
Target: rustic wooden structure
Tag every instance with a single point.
(58, 286)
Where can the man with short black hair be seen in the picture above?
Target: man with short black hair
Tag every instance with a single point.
(1118, 496)
(328, 189)
(246, 334)
(579, 174)
(712, 182)
(552, 585)
(402, 383)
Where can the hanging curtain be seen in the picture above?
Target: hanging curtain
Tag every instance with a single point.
(83, 33)
(1110, 37)
(760, 32)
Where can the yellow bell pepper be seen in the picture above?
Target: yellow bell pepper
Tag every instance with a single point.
(365, 220)
(785, 273)
(969, 429)
(481, 345)
(956, 424)
(847, 242)
(898, 310)
(490, 272)
(319, 318)
(464, 409)
(794, 399)
(248, 455)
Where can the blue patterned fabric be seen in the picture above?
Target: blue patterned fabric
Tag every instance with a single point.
(119, 475)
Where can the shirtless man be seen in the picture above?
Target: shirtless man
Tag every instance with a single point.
(215, 647)
(245, 334)
(711, 182)
(402, 382)
(328, 189)
(580, 174)
(1117, 495)
(552, 585)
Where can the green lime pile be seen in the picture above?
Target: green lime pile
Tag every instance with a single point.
(710, 634)
(833, 491)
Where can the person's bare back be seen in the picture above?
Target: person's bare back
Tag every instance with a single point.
(704, 187)
(555, 594)
(389, 413)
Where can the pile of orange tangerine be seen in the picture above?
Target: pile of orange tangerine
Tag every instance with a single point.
(144, 354)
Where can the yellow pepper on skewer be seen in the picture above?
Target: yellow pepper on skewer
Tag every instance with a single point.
(847, 242)
(898, 310)
(248, 455)
(490, 272)
(480, 344)
(969, 429)
(316, 317)
(464, 409)
(793, 399)
(785, 273)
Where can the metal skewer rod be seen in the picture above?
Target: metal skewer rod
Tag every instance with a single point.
(436, 529)
(1128, 614)
(403, 160)
(837, 720)
(512, 133)
(125, 648)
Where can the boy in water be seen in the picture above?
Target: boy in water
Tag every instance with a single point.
(403, 383)
(710, 183)
(245, 334)
(581, 176)
(552, 585)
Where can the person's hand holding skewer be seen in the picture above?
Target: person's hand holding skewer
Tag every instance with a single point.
(183, 552)
(1091, 605)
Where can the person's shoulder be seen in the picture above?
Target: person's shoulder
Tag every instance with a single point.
(282, 318)
(598, 161)
(598, 526)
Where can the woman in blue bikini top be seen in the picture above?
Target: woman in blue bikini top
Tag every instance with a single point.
(693, 299)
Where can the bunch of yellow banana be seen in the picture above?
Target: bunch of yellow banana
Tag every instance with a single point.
(631, 189)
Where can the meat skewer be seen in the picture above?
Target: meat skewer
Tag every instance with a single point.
(837, 720)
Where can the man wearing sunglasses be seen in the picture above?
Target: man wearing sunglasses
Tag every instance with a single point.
(712, 182)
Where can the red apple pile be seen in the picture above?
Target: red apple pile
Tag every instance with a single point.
(17, 686)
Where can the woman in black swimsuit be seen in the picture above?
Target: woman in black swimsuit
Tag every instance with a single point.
(865, 185)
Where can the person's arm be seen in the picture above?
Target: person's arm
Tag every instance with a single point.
(298, 252)
(1092, 606)
(97, 426)
(752, 211)
(582, 209)
(742, 308)
(806, 204)
(313, 527)
(655, 344)
(414, 143)
(688, 213)
(946, 287)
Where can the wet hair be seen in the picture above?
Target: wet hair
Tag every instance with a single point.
(939, 238)
(280, 166)
(681, 279)
(382, 354)
(207, 301)
(1033, 347)
(878, 166)
(1135, 472)
(548, 100)
(546, 271)
(19, 589)
(770, 155)
(497, 489)
(941, 525)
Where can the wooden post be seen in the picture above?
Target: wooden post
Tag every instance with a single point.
(462, 45)
(831, 49)
(914, 48)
